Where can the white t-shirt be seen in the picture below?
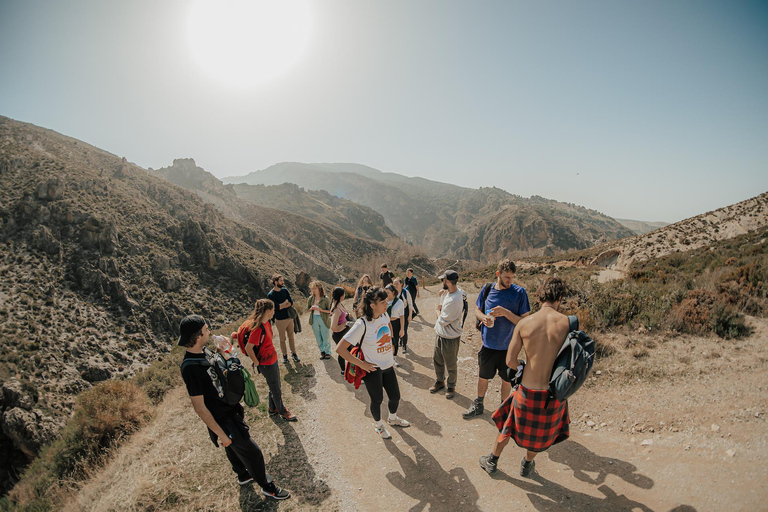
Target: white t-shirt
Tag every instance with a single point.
(377, 345)
(398, 309)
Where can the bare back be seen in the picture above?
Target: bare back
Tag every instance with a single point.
(542, 334)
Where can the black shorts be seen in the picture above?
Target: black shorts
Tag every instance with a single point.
(491, 361)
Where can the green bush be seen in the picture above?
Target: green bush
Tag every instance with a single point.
(728, 323)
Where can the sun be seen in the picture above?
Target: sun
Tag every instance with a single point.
(247, 42)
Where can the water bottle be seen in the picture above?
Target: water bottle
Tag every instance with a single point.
(493, 318)
(223, 344)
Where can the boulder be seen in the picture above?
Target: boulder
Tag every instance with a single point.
(43, 240)
(302, 282)
(94, 370)
(15, 395)
(29, 430)
(50, 190)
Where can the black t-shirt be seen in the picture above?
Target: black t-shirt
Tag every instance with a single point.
(412, 285)
(278, 298)
(199, 382)
(386, 277)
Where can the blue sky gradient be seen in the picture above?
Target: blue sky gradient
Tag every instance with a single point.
(650, 110)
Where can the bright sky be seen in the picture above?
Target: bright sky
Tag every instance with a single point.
(649, 110)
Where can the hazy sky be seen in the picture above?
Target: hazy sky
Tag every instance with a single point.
(650, 110)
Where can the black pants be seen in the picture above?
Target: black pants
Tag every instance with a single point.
(376, 382)
(336, 337)
(272, 375)
(404, 339)
(395, 333)
(244, 454)
(413, 299)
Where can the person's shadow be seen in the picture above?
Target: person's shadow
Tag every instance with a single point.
(546, 495)
(582, 461)
(290, 468)
(426, 481)
(301, 377)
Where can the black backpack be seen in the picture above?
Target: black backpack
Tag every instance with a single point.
(228, 378)
(465, 308)
(573, 362)
(484, 294)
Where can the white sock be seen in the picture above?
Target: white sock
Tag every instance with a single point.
(380, 424)
(392, 416)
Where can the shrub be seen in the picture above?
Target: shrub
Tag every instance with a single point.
(692, 314)
(162, 376)
(103, 416)
(728, 323)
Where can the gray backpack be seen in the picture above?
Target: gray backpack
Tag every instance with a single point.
(573, 362)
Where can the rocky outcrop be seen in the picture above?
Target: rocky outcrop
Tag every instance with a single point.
(29, 430)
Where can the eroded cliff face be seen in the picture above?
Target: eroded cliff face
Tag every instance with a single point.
(99, 261)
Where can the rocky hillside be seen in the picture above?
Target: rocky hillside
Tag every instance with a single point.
(693, 233)
(317, 205)
(100, 261)
(641, 227)
(453, 221)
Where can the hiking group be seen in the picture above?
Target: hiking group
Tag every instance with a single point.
(367, 350)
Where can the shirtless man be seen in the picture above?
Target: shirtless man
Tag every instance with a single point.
(529, 415)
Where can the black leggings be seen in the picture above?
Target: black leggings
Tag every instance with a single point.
(376, 382)
(336, 337)
(395, 333)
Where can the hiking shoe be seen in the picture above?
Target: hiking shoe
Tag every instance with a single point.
(396, 363)
(285, 359)
(288, 416)
(437, 386)
(526, 468)
(450, 393)
(397, 421)
(382, 431)
(272, 412)
(322, 355)
(476, 409)
(487, 464)
(405, 350)
(295, 358)
(244, 479)
(276, 493)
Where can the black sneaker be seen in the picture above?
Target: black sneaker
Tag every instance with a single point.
(295, 358)
(526, 468)
(476, 409)
(488, 464)
(285, 359)
(276, 493)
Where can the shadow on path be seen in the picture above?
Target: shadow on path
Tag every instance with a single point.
(426, 481)
(546, 495)
(290, 468)
(301, 377)
(581, 460)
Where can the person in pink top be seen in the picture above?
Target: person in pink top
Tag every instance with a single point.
(339, 318)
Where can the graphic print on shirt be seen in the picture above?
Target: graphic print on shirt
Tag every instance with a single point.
(383, 339)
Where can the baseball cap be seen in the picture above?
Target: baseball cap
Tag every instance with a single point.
(450, 275)
(190, 325)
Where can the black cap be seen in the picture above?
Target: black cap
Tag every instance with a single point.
(189, 326)
(450, 275)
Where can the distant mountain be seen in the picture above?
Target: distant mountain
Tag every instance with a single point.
(641, 227)
(453, 221)
(101, 260)
(320, 206)
(692, 233)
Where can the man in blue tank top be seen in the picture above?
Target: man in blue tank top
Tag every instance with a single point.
(499, 308)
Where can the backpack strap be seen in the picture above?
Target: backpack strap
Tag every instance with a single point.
(486, 291)
(573, 323)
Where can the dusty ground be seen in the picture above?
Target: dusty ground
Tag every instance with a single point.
(681, 426)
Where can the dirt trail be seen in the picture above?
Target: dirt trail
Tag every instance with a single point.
(633, 445)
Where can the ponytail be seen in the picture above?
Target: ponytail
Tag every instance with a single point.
(261, 307)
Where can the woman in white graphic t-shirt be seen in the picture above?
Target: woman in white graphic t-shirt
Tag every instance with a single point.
(372, 333)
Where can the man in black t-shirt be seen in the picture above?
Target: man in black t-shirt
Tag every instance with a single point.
(386, 276)
(226, 423)
(282, 298)
(412, 285)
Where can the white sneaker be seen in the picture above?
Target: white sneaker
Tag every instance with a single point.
(396, 363)
(382, 431)
(397, 421)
